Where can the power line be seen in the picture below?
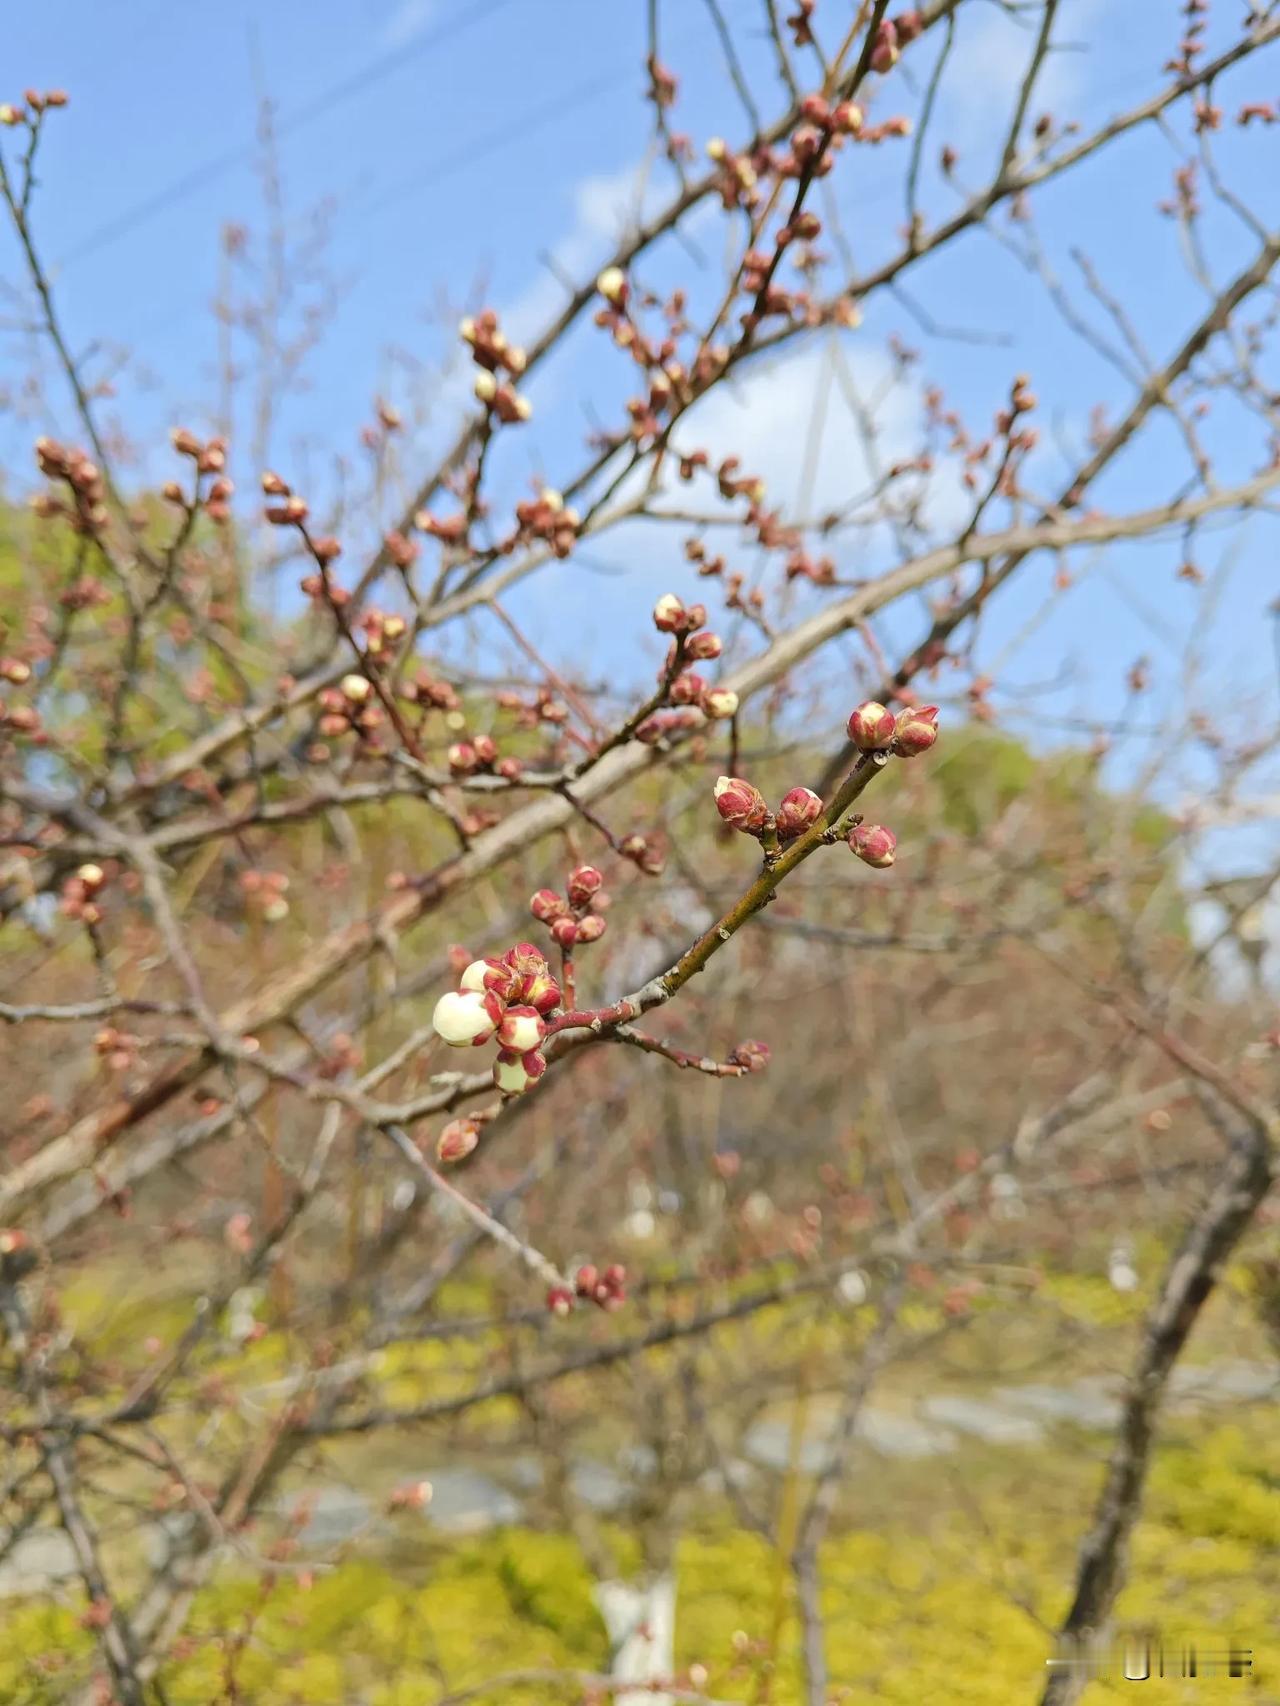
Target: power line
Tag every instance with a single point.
(141, 212)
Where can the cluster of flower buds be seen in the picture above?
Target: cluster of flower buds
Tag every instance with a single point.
(738, 177)
(352, 705)
(743, 807)
(606, 1288)
(432, 694)
(480, 753)
(503, 1000)
(751, 1056)
(210, 457)
(874, 727)
(80, 894)
(574, 917)
(690, 644)
(449, 530)
(87, 511)
(35, 103)
(800, 565)
(286, 508)
(548, 517)
(383, 632)
(117, 1049)
(493, 355)
(647, 852)
(264, 891)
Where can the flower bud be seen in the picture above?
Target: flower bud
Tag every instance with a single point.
(560, 1301)
(871, 727)
(669, 614)
(874, 844)
(916, 730)
(542, 991)
(719, 702)
(474, 974)
(741, 805)
(799, 809)
(485, 386)
(462, 758)
(466, 1017)
(514, 1073)
(612, 285)
(687, 689)
(701, 648)
(564, 932)
(457, 1140)
(355, 688)
(591, 928)
(546, 906)
(586, 1279)
(521, 1029)
(754, 1056)
(584, 883)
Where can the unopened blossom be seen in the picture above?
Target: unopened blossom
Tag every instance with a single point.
(584, 883)
(740, 804)
(800, 808)
(546, 906)
(916, 730)
(457, 1140)
(612, 285)
(521, 1029)
(874, 845)
(669, 614)
(719, 703)
(514, 1073)
(465, 1017)
(872, 726)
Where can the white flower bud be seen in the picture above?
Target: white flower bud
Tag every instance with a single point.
(612, 285)
(473, 977)
(463, 1017)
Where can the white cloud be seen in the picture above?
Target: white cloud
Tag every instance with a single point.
(605, 207)
(992, 53)
(408, 19)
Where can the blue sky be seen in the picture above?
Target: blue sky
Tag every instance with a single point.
(465, 141)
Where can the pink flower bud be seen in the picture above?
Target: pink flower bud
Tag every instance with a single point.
(542, 991)
(564, 932)
(669, 614)
(546, 906)
(560, 1301)
(874, 844)
(586, 1279)
(719, 702)
(916, 730)
(740, 804)
(701, 648)
(591, 928)
(521, 1029)
(462, 758)
(871, 727)
(754, 1056)
(466, 1017)
(799, 809)
(687, 689)
(486, 749)
(584, 883)
(457, 1140)
(884, 54)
